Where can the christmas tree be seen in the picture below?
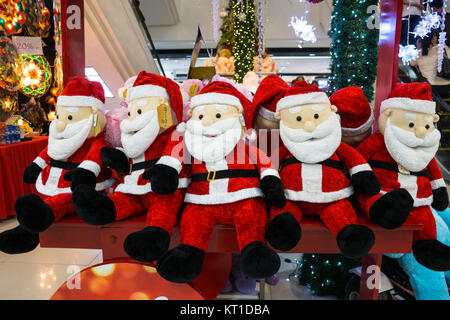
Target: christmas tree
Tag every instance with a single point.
(354, 47)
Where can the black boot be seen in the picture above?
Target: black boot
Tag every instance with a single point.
(33, 213)
(392, 209)
(181, 264)
(18, 240)
(259, 261)
(92, 206)
(355, 241)
(283, 232)
(147, 244)
(432, 254)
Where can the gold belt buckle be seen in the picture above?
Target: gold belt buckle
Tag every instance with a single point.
(403, 171)
(131, 168)
(209, 175)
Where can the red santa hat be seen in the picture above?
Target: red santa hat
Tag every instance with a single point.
(354, 109)
(269, 92)
(302, 93)
(219, 92)
(81, 92)
(414, 96)
(149, 85)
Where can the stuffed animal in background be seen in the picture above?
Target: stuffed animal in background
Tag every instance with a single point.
(229, 179)
(314, 166)
(148, 137)
(402, 154)
(72, 158)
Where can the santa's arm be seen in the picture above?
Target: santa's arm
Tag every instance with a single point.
(270, 182)
(164, 176)
(88, 170)
(369, 146)
(116, 159)
(440, 195)
(32, 171)
(362, 176)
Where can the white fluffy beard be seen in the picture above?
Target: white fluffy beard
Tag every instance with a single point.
(409, 151)
(139, 134)
(212, 143)
(61, 145)
(316, 146)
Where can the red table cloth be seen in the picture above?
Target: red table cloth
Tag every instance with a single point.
(14, 158)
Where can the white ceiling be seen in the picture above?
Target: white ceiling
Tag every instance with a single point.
(180, 34)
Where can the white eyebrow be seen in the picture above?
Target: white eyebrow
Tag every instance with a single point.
(317, 108)
(141, 103)
(410, 116)
(72, 109)
(429, 119)
(200, 108)
(295, 109)
(221, 108)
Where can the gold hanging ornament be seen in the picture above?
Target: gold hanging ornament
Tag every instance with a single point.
(8, 104)
(9, 77)
(11, 16)
(35, 75)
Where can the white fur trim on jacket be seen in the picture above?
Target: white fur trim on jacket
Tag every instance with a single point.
(267, 114)
(299, 99)
(350, 132)
(360, 168)
(318, 197)
(438, 183)
(269, 172)
(422, 106)
(146, 188)
(146, 91)
(222, 198)
(171, 162)
(40, 162)
(215, 98)
(91, 166)
(80, 101)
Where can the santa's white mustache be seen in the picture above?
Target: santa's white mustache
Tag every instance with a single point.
(322, 130)
(70, 130)
(409, 138)
(196, 127)
(127, 126)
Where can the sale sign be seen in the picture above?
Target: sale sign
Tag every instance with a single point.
(28, 45)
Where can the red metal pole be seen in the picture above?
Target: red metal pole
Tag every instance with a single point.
(387, 68)
(72, 28)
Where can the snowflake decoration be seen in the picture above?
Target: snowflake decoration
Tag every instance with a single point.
(242, 16)
(441, 49)
(303, 29)
(408, 53)
(429, 22)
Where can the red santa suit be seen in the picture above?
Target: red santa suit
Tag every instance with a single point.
(52, 186)
(321, 188)
(420, 185)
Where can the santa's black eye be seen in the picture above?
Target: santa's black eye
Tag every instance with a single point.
(316, 116)
(200, 117)
(218, 115)
(427, 126)
(69, 117)
(411, 124)
(129, 114)
(299, 118)
(57, 117)
(139, 111)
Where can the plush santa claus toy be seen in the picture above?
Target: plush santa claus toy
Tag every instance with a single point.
(402, 154)
(72, 158)
(229, 179)
(148, 138)
(355, 113)
(319, 173)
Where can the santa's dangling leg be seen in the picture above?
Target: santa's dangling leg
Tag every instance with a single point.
(153, 241)
(427, 250)
(284, 231)
(389, 210)
(257, 259)
(184, 263)
(35, 214)
(354, 240)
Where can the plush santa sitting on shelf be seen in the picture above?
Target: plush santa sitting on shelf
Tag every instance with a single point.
(148, 138)
(319, 173)
(72, 158)
(229, 179)
(402, 155)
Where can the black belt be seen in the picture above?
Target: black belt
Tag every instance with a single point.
(63, 164)
(223, 174)
(143, 165)
(329, 163)
(395, 167)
